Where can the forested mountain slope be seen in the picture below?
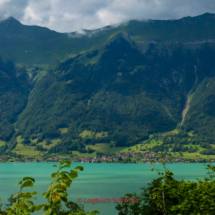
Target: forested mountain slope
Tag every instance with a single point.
(122, 83)
(127, 94)
(14, 90)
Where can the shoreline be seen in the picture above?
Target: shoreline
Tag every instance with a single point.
(112, 162)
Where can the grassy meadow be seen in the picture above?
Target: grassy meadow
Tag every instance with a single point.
(30, 151)
(147, 145)
(150, 143)
(2, 143)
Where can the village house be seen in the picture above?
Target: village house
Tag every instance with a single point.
(29, 159)
(3, 158)
(104, 158)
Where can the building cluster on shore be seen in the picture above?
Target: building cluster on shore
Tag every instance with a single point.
(137, 157)
(119, 157)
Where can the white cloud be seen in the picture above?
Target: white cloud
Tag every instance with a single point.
(74, 15)
(35, 12)
(69, 16)
(31, 15)
(4, 1)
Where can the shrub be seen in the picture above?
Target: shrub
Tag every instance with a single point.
(168, 196)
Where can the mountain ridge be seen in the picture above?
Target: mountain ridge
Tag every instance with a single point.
(125, 83)
(55, 47)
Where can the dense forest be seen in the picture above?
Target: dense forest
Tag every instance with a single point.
(122, 88)
(14, 89)
(127, 94)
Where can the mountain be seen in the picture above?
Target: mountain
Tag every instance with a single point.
(111, 85)
(34, 46)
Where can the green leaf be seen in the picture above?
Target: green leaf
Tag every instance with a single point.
(78, 213)
(64, 195)
(30, 202)
(95, 212)
(53, 175)
(60, 187)
(39, 207)
(22, 206)
(49, 211)
(65, 184)
(65, 166)
(27, 184)
(64, 172)
(73, 174)
(18, 183)
(64, 199)
(68, 162)
(34, 193)
(81, 168)
(25, 195)
(54, 166)
(31, 208)
(14, 206)
(50, 187)
(15, 195)
(28, 178)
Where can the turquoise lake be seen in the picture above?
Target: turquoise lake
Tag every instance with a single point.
(97, 180)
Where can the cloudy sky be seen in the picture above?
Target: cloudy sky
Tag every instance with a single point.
(74, 15)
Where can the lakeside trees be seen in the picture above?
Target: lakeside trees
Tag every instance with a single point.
(166, 195)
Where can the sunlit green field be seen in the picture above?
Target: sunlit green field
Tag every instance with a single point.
(54, 142)
(175, 131)
(63, 130)
(99, 147)
(91, 134)
(105, 147)
(2, 143)
(194, 155)
(27, 151)
(147, 144)
(150, 143)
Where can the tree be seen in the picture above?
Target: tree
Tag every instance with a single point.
(168, 196)
(120, 158)
(145, 205)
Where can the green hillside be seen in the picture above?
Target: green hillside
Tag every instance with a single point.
(14, 90)
(113, 86)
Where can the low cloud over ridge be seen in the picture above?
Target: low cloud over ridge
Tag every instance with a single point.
(74, 15)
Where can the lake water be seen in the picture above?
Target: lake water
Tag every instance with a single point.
(97, 180)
